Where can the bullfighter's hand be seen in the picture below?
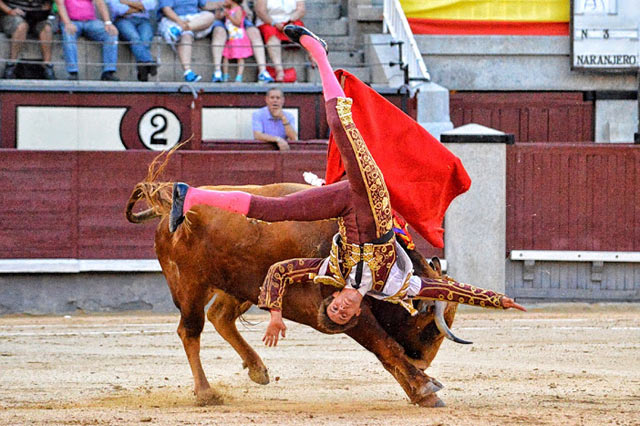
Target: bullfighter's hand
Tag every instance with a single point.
(507, 303)
(275, 328)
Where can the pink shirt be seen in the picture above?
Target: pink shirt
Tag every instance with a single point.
(80, 10)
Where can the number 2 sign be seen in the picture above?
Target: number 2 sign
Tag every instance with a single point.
(159, 129)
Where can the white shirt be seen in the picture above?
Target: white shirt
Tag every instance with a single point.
(401, 269)
(279, 10)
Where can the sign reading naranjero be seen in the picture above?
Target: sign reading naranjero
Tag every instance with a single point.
(604, 34)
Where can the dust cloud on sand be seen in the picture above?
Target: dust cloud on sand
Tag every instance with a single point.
(557, 364)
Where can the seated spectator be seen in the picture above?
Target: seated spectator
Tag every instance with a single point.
(131, 18)
(78, 18)
(273, 124)
(21, 17)
(273, 15)
(255, 38)
(182, 22)
(238, 46)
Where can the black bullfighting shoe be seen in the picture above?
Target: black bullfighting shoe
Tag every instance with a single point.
(177, 215)
(294, 32)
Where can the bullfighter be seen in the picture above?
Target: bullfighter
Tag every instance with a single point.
(365, 258)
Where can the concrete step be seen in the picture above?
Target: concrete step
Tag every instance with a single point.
(322, 11)
(339, 42)
(362, 72)
(333, 27)
(345, 58)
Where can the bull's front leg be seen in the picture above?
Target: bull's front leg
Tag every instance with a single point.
(419, 387)
(189, 330)
(223, 313)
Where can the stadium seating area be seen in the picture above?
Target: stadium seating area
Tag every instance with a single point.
(328, 18)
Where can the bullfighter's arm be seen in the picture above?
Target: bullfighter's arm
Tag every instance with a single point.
(450, 290)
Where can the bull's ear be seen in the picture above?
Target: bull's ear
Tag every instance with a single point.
(435, 264)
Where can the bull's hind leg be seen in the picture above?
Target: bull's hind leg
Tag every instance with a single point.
(419, 387)
(223, 313)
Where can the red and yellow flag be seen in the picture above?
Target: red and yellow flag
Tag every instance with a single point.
(488, 17)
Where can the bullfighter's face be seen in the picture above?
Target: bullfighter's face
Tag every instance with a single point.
(344, 306)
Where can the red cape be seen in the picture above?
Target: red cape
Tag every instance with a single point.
(422, 175)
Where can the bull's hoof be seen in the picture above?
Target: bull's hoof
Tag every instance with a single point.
(259, 375)
(209, 397)
(430, 401)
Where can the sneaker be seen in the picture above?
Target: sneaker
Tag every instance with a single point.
(174, 33)
(73, 75)
(48, 72)
(216, 77)
(176, 217)
(265, 77)
(225, 77)
(191, 77)
(9, 71)
(238, 78)
(109, 76)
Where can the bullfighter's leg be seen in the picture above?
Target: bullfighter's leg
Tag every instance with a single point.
(420, 388)
(370, 194)
(223, 313)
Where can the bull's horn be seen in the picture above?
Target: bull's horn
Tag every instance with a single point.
(439, 308)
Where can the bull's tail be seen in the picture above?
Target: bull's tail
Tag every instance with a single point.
(157, 195)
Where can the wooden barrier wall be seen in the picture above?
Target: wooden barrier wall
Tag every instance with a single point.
(573, 197)
(71, 204)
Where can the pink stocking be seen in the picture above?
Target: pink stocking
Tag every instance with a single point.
(330, 85)
(233, 201)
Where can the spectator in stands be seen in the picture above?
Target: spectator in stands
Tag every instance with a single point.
(258, 52)
(183, 21)
(78, 18)
(132, 19)
(273, 15)
(238, 46)
(273, 124)
(20, 17)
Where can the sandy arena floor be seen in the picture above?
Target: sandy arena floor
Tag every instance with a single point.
(568, 364)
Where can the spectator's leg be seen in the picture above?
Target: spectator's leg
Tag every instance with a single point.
(218, 40)
(17, 40)
(240, 69)
(258, 48)
(225, 65)
(46, 38)
(275, 53)
(129, 33)
(70, 48)
(146, 36)
(184, 50)
(95, 31)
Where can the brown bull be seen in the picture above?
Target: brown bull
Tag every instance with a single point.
(228, 255)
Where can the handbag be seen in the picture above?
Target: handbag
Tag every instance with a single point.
(290, 75)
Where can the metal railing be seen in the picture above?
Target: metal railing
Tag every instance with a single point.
(395, 23)
(90, 65)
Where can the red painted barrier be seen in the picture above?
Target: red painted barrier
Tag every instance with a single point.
(573, 197)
